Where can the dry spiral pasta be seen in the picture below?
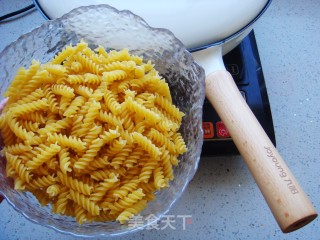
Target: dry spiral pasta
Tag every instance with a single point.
(94, 133)
(41, 182)
(74, 184)
(65, 160)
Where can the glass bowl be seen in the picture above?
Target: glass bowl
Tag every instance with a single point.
(113, 29)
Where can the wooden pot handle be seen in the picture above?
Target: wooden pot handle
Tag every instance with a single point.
(289, 204)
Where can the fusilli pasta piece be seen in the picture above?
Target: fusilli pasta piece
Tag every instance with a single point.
(142, 111)
(64, 161)
(114, 75)
(65, 141)
(53, 190)
(63, 55)
(51, 99)
(168, 107)
(17, 148)
(56, 69)
(146, 144)
(38, 105)
(103, 187)
(45, 154)
(84, 202)
(63, 90)
(19, 167)
(41, 182)
(129, 212)
(74, 184)
(74, 106)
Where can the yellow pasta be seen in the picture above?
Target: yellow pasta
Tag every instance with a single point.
(125, 189)
(161, 140)
(55, 127)
(74, 106)
(124, 203)
(80, 214)
(76, 79)
(116, 147)
(19, 184)
(134, 157)
(35, 82)
(83, 91)
(89, 118)
(35, 117)
(63, 55)
(41, 182)
(64, 160)
(42, 196)
(19, 79)
(101, 174)
(118, 160)
(128, 122)
(8, 135)
(64, 103)
(30, 126)
(76, 67)
(114, 75)
(103, 187)
(92, 133)
(168, 107)
(61, 204)
(159, 180)
(44, 154)
(84, 202)
(146, 171)
(131, 211)
(36, 95)
(76, 126)
(74, 183)
(65, 141)
(26, 108)
(19, 167)
(63, 90)
(17, 148)
(167, 166)
(87, 63)
(111, 102)
(98, 163)
(56, 69)
(127, 66)
(90, 154)
(146, 144)
(92, 78)
(52, 100)
(18, 130)
(141, 111)
(53, 190)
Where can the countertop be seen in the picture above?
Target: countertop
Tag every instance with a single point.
(223, 201)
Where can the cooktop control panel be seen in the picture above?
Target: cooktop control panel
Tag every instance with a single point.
(244, 64)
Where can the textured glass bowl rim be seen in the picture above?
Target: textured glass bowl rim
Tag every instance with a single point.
(200, 130)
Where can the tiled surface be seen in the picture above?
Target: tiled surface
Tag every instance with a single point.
(223, 199)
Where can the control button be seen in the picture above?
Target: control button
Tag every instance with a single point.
(233, 69)
(208, 131)
(222, 131)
